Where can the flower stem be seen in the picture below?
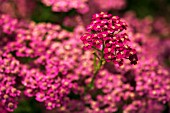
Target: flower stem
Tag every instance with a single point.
(95, 73)
(97, 66)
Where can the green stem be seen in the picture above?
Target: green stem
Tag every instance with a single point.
(97, 66)
(95, 73)
(95, 56)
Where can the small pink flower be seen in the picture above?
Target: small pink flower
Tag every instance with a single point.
(40, 96)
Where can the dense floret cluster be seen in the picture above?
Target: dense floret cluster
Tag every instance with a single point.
(107, 32)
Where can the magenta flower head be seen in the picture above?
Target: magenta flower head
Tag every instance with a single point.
(106, 34)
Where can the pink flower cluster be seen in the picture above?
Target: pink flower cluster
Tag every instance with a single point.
(144, 106)
(45, 88)
(9, 66)
(107, 32)
(66, 5)
(36, 43)
(50, 59)
(7, 24)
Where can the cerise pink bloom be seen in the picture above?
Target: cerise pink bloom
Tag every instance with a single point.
(107, 32)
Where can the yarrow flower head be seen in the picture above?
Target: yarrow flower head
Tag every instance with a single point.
(106, 33)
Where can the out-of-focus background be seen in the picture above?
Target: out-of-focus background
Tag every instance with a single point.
(41, 10)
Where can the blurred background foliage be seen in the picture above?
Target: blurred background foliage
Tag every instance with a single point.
(149, 7)
(28, 106)
(142, 8)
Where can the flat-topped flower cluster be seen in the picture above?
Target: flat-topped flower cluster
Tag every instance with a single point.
(107, 32)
